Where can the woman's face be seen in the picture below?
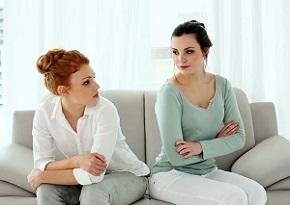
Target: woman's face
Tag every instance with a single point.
(187, 54)
(83, 88)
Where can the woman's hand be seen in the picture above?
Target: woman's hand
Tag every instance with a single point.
(34, 178)
(93, 163)
(188, 149)
(229, 128)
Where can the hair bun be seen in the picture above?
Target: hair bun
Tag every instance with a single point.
(197, 23)
(45, 61)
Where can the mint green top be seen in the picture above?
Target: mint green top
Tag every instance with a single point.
(179, 119)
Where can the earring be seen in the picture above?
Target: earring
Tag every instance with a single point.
(204, 63)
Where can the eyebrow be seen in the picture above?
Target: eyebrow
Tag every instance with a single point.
(183, 49)
(88, 77)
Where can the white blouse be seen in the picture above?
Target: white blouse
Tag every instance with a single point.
(98, 131)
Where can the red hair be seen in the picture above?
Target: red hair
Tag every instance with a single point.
(57, 65)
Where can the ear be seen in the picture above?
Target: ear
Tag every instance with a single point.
(62, 90)
(205, 52)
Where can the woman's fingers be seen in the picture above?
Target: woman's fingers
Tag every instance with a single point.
(184, 151)
(179, 142)
(96, 171)
(180, 147)
(229, 129)
(232, 129)
(225, 127)
(100, 157)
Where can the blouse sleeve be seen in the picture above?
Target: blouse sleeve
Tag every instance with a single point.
(104, 142)
(43, 143)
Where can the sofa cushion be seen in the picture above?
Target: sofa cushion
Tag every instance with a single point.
(22, 127)
(17, 200)
(16, 162)
(264, 120)
(7, 189)
(284, 184)
(267, 163)
(278, 197)
(153, 140)
(130, 106)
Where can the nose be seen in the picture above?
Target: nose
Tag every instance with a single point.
(96, 85)
(182, 58)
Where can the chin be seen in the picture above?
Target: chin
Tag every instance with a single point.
(188, 71)
(94, 102)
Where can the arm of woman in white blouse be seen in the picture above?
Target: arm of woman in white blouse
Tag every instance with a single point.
(104, 143)
(93, 163)
(105, 140)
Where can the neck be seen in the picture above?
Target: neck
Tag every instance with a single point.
(193, 79)
(72, 110)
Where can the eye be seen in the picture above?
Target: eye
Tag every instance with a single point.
(175, 52)
(87, 82)
(190, 51)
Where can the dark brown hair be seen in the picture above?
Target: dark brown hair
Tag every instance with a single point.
(198, 30)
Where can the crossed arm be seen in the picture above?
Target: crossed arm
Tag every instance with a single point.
(82, 169)
(188, 149)
(61, 172)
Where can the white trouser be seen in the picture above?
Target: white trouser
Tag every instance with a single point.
(215, 188)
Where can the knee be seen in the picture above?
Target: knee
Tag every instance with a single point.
(236, 196)
(94, 194)
(46, 193)
(257, 194)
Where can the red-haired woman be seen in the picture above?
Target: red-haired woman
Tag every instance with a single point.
(85, 127)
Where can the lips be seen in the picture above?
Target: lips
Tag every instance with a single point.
(184, 66)
(96, 95)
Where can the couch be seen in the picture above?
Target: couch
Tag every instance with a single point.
(265, 157)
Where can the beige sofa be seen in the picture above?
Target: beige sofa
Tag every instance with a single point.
(265, 158)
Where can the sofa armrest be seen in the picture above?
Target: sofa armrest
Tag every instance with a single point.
(267, 162)
(16, 162)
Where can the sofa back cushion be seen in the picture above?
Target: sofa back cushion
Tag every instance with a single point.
(130, 106)
(22, 127)
(153, 141)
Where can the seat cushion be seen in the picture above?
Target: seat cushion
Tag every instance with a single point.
(283, 184)
(7, 189)
(16, 162)
(15, 200)
(278, 197)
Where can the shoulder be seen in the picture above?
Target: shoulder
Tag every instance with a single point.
(222, 79)
(48, 103)
(223, 83)
(169, 95)
(46, 109)
(168, 89)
